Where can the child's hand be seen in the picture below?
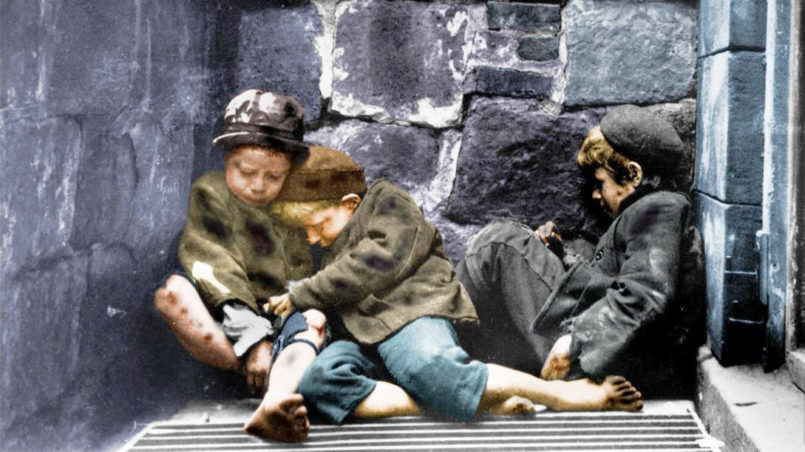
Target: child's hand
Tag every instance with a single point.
(280, 305)
(257, 366)
(548, 233)
(558, 363)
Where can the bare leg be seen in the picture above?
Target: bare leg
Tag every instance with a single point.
(191, 322)
(386, 400)
(615, 393)
(281, 415)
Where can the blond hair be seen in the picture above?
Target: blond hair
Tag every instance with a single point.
(596, 152)
(297, 213)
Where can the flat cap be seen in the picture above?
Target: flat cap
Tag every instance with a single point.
(642, 136)
(326, 174)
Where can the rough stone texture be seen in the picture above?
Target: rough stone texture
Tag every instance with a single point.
(403, 60)
(268, 59)
(538, 49)
(407, 156)
(108, 112)
(730, 118)
(522, 16)
(629, 51)
(731, 24)
(728, 232)
(511, 83)
(517, 161)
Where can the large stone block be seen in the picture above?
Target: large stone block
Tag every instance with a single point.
(523, 16)
(40, 172)
(735, 314)
(518, 161)
(275, 52)
(731, 24)
(403, 60)
(538, 49)
(729, 161)
(407, 156)
(629, 51)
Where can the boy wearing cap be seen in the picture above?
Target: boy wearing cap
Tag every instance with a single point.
(236, 255)
(636, 308)
(386, 283)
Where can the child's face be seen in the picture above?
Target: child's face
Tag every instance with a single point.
(325, 224)
(255, 175)
(610, 193)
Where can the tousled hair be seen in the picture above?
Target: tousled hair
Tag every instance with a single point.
(297, 213)
(596, 152)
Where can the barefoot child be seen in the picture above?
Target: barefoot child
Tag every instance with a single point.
(236, 255)
(386, 280)
(636, 308)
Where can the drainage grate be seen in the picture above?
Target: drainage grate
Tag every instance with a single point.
(544, 431)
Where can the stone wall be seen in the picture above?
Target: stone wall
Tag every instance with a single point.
(109, 108)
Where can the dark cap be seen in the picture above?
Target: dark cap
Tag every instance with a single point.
(264, 118)
(326, 174)
(642, 136)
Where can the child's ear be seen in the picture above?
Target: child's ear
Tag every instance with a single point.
(351, 201)
(636, 171)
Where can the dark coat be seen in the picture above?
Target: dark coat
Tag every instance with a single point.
(385, 269)
(235, 251)
(637, 307)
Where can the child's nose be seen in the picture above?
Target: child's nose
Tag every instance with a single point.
(312, 237)
(258, 185)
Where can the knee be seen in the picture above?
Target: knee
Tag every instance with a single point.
(315, 332)
(168, 297)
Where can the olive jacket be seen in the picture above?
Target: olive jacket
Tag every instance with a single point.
(638, 305)
(234, 251)
(385, 269)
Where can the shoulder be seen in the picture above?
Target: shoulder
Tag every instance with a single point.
(210, 181)
(657, 210)
(209, 191)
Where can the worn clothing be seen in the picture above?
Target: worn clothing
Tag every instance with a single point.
(386, 269)
(423, 357)
(636, 309)
(235, 251)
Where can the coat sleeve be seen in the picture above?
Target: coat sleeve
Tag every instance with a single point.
(394, 239)
(207, 251)
(648, 241)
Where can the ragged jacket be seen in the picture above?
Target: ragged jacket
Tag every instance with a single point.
(234, 251)
(385, 269)
(638, 305)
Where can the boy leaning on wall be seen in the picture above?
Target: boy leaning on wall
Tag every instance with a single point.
(636, 308)
(236, 255)
(391, 297)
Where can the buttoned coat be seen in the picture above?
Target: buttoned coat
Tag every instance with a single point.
(385, 269)
(637, 307)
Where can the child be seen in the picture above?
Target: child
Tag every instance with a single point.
(636, 308)
(386, 280)
(236, 255)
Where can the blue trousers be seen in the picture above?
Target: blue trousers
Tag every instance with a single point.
(423, 358)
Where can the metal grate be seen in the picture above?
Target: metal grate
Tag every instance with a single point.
(546, 431)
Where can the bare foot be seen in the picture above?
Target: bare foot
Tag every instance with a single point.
(284, 420)
(512, 405)
(614, 393)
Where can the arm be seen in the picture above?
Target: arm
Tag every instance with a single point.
(648, 239)
(395, 237)
(207, 250)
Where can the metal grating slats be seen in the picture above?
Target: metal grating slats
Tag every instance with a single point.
(544, 431)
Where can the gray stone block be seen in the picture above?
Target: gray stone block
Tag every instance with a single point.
(403, 60)
(731, 24)
(734, 311)
(629, 51)
(730, 127)
(517, 161)
(512, 83)
(523, 16)
(538, 49)
(407, 156)
(268, 59)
